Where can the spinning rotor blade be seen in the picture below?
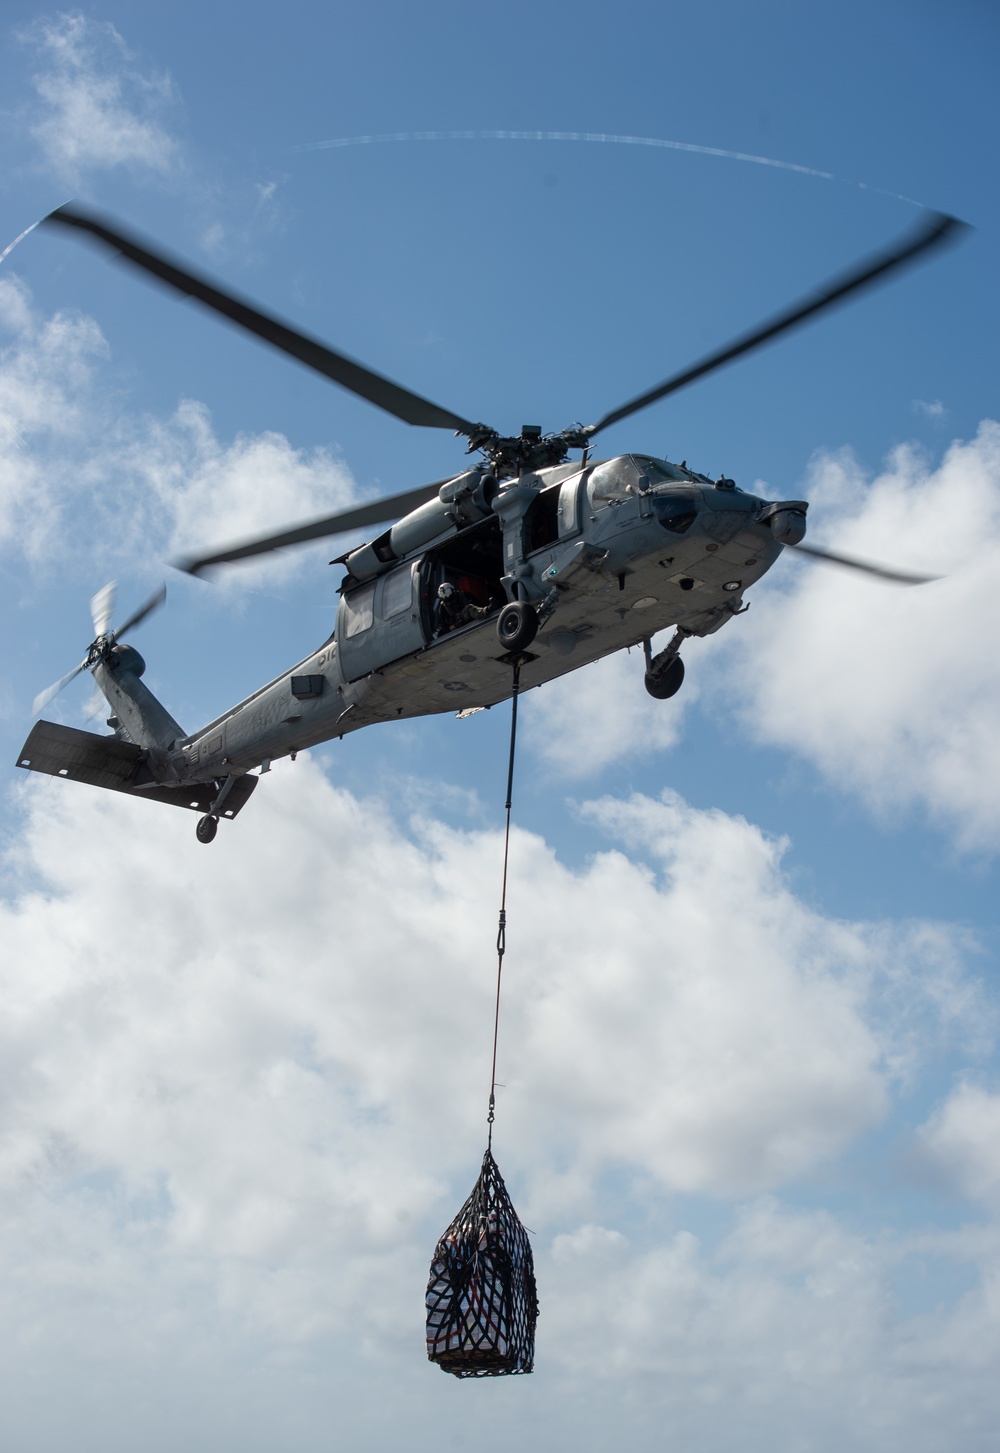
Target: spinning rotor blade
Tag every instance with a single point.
(96, 706)
(153, 603)
(43, 698)
(883, 572)
(381, 392)
(102, 608)
(391, 508)
(937, 230)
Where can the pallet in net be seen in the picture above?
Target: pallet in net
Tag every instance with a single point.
(481, 1299)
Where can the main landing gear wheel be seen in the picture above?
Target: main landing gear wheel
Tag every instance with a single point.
(517, 626)
(666, 683)
(206, 829)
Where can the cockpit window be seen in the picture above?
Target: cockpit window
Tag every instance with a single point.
(658, 471)
(612, 481)
(619, 479)
(676, 511)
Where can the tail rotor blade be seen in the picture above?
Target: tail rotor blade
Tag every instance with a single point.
(102, 608)
(96, 706)
(43, 698)
(153, 603)
(867, 567)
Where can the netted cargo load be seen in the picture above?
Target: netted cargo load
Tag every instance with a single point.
(481, 1300)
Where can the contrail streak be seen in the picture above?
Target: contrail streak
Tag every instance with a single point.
(19, 238)
(663, 143)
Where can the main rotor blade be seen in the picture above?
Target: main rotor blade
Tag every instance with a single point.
(102, 608)
(381, 392)
(932, 233)
(43, 698)
(883, 572)
(391, 508)
(153, 603)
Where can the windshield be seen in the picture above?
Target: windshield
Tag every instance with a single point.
(629, 475)
(658, 471)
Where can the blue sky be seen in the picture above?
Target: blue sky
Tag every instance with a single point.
(751, 1107)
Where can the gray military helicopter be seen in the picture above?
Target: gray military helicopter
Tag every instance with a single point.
(525, 561)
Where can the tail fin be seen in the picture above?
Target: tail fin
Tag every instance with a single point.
(141, 717)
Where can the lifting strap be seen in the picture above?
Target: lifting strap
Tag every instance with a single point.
(502, 929)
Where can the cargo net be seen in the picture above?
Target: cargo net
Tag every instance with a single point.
(481, 1301)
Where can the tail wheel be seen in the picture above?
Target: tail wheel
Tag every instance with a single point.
(517, 626)
(206, 829)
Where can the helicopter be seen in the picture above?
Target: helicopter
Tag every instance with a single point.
(518, 569)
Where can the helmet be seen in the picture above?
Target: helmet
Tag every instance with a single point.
(445, 590)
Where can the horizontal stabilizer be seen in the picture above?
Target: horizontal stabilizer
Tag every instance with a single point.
(62, 751)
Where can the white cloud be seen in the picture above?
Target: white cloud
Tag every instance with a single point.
(280, 980)
(893, 693)
(961, 1141)
(95, 108)
(589, 719)
(762, 1048)
(934, 409)
(46, 373)
(212, 493)
(243, 1090)
(787, 1335)
(80, 473)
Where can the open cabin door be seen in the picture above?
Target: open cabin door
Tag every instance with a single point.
(379, 622)
(472, 562)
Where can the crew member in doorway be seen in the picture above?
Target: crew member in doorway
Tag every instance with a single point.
(454, 609)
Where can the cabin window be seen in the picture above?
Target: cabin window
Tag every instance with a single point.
(543, 519)
(397, 592)
(358, 610)
(569, 493)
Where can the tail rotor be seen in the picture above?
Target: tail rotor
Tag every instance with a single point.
(101, 612)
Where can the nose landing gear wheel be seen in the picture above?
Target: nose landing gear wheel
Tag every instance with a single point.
(664, 684)
(206, 829)
(517, 626)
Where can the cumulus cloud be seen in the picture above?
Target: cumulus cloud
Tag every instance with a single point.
(46, 374)
(134, 487)
(96, 109)
(931, 409)
(249, 1131)
(751, 1062)
(785, 1334)
(961, 1141)
(588, 719)
(892, 693)
(210, 492)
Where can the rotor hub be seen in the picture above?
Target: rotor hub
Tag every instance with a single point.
(528, 451)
